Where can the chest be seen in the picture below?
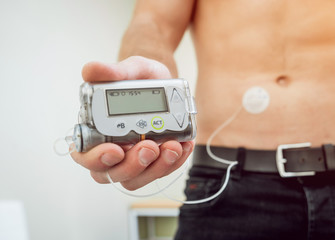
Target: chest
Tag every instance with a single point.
(298, 20)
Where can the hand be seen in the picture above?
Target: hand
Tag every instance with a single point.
(133, 165)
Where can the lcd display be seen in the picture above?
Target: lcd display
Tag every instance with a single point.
(132, 101)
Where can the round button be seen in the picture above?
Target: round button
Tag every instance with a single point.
(157, 123)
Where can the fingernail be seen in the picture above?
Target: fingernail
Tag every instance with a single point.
(146, 156)
(110, 159)
(187, 147)
(170, 156)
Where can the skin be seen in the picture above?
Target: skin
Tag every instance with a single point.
(286, 47)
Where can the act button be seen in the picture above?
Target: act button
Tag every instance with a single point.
(157, 123)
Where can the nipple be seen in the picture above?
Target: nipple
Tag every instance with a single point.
(255, 100)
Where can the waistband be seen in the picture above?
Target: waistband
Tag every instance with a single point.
(288, 160)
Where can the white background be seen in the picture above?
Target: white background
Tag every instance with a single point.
(43, 46)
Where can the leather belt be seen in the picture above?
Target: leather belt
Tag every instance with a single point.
(290, 160)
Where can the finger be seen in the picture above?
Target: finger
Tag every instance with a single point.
(100, 158)
(173, 155)
(187, 150)
(135, 67)
(142, 179)
(126, 147)
(100, 177)
(136, 160)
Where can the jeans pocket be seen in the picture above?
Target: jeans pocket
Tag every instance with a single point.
(198, 188)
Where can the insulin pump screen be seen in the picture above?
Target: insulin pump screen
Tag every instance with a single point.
(132, 101)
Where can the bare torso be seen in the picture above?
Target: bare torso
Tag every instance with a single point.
(286, 47)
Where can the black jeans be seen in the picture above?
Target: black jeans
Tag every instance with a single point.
(258, 206)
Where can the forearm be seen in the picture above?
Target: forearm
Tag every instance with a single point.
(146, 38)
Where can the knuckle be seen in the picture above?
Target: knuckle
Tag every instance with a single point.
(129, 173)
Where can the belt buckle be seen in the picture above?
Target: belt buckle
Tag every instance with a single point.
(280, 160)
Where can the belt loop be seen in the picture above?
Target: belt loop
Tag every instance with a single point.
(241, 155)
(329, 154)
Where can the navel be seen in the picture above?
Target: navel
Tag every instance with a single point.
(283, 80)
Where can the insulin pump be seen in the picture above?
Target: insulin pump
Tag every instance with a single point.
(126, 112)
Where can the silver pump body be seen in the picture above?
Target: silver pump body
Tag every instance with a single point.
(126, 112)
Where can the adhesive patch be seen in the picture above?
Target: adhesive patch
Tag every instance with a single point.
(256, 100)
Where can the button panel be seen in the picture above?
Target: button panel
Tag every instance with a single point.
(176, 118)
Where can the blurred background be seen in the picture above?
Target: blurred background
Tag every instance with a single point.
(43, 46)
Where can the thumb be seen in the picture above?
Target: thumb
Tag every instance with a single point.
(135, 67)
